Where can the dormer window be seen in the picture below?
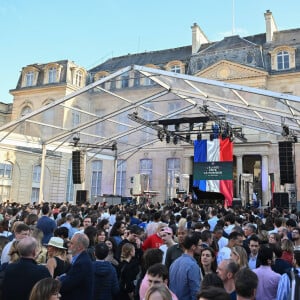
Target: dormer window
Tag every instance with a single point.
(175, 69)
(78, 78)
(29, 78)
(283, 58)
(125, 80)
(52, 75)
(175, 66)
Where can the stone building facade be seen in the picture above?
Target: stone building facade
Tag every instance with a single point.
(270, 60)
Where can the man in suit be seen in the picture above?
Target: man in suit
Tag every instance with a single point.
(78, 283)
(22, 275)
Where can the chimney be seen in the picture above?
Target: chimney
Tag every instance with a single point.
(198, 38)
(271, 26)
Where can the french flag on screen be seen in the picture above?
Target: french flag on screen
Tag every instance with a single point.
(218, 150)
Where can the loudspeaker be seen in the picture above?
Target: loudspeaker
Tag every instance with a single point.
(286, 162)
(236, 203)
(81, 197)
(281, 200)
(77, 166)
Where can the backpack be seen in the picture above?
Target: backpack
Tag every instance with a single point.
(294, 277)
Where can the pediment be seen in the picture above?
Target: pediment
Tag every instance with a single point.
(226, 70)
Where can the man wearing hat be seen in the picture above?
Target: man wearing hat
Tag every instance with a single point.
(133, 237)
(166, 234)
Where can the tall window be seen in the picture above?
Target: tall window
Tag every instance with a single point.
(78, 78)
(70, 185)
(283, 60)
(52, 75)
(29, 78)
(36, 178)
(5, 170)
(175, 69)
(99, 128)
(125, 80)
(147, 115)
(4, 192)
(137, 79)
(121, 178)
(173, 169)
(75, 118)
(146, 168)
(96, 178)
(5, 173)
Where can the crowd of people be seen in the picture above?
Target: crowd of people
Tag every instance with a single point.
(179, 250)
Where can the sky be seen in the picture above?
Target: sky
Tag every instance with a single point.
(92, 31)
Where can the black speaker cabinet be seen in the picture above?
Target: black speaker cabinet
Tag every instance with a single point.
(77, 167)
(81, 197)
(281, 200)
(237, 203)
(286, 162)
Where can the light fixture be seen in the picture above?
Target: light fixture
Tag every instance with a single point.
(175, 139)
(199, 137)
(168, 138)
(160, 135)
(188, 137)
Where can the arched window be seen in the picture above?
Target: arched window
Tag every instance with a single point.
(96, 178)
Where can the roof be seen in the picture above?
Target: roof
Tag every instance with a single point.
(255, 109)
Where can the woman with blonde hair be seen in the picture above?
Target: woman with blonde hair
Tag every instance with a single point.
(239, 255)
(57, 262)
(128, 270)
(46, 289)
(158, 292)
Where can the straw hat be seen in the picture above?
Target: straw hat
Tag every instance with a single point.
(56, 242)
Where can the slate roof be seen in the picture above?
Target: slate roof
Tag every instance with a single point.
(158, 58)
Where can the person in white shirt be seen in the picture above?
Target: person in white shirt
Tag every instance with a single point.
(166, 235)
(234, 239)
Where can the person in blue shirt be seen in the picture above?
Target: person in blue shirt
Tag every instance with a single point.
(185, 278)
(284, 290)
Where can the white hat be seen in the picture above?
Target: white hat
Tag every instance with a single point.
(56, 242)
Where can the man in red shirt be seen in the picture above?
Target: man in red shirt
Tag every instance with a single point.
(154, 240)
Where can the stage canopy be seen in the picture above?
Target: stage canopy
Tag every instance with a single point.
(129, 117)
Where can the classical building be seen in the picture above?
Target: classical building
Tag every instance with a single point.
(266, 61)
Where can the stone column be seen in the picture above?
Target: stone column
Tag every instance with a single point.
(265, 180)
(239, 171)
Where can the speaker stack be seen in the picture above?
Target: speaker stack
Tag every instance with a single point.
(286, 162)
(81, 196)
(77, 167)
(281, 200)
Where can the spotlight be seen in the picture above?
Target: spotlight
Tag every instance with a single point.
(211, 136)
(188, 137)
(160, 135)
(199, 137)
(191, 126)
(285, 130)
(168, 138)
(176, 127)
(175, 140)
